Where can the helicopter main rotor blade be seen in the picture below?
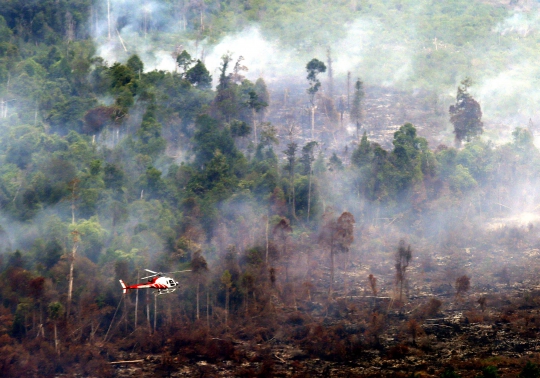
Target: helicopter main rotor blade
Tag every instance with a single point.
(151, 271)
(153, 275)
(179, 271)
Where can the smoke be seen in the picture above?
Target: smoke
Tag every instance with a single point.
(521, 24)
(152, 30)
(511, 95)
(122, 28)
(263, 57)
(509, 80)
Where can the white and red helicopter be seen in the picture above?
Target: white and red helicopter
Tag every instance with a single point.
(156, 280)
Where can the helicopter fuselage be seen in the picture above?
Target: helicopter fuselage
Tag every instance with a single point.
(163, 285)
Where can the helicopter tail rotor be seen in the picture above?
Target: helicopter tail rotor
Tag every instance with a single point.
(124, 287)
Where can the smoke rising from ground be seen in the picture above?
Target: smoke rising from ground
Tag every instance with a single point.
(381, 54)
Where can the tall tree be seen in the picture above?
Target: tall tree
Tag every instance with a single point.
(199, 267)
(308, 157)
(290, 152)
(314, 67)
(256, 104)
(264, 96)
(281, 233)
(465, 114)
(199, 76)
(75, 234)
(330, 72)
(357, 108)
(226, 280)
(56, 311)
(184, 61)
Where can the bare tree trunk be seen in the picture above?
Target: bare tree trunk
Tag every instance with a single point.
(202, 21)
(56, 339)
(148, 314)
(198, 284)
(330, 73)
(267, 223)
(208, 308)
(309, 194)
(293, 200)
(155, 312)
(136, 303)
(109, 17)
(226, 306)
(125, 316)
(285, 256)
(313, 121)
(70, 287)
(331, 289)
(255, 127)
(348, 90)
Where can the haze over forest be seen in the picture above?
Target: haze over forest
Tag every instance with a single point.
(284, 151)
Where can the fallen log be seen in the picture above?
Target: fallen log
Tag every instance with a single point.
(126, 362)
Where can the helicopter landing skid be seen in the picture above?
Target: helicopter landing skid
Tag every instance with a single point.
(165, 291)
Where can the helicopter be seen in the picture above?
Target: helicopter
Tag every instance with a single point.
(156, 280)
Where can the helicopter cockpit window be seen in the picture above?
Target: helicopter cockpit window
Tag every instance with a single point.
(171, 282)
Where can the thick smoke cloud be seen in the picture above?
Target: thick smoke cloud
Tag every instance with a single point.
(504, 73)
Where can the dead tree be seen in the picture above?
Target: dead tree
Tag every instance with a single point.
(338, 236)
(403, 257)
(71, 266)
(281, 233)
(199, 267)
(463, 284)
(226, 280)
(290, 152)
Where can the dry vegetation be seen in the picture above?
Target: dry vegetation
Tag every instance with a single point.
(463, 307)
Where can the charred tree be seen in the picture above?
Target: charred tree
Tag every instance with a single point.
(403, 258)
(338, 236)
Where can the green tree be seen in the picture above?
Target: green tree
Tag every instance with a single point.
(489, 372)
(135, 64)
(56, 311)
(530, 370)
(256, 104)
(363, 154)
(184, 61)
(357, 108)
(449, 373)
(465, 114)
(199, 76)
(209, 138)
(264, 97)
(150, 141)
(314, 67)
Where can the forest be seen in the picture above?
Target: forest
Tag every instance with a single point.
(340, 188)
